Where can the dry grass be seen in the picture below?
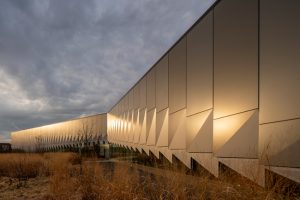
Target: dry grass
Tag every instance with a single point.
(63, 176)
(21, 166)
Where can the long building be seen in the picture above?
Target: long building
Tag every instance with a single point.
(64, 135)
(226, 92)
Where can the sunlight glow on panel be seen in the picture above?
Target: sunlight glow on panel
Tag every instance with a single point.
(226, 127)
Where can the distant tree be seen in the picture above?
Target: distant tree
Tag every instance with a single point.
(39, 143)
(85, 137)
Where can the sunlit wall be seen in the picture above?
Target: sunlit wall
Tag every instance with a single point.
(227, 91)
(61, 135)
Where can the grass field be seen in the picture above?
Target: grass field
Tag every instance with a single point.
(52, 176)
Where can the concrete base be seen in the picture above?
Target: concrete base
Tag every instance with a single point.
(249, 168)
(207, 161)
(146, 149)
(155, 151)
(183, 156)
(166, 152)
(290, 173)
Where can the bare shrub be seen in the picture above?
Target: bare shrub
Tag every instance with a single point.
(22, 166)
(62, 183)
(72, 178)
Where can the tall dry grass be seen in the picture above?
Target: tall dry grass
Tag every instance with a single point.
(70, 178)
(22, 166)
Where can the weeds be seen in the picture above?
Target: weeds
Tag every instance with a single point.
(21, 166)
(69, 177)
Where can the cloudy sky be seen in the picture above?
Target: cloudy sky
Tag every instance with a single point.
(64, 59)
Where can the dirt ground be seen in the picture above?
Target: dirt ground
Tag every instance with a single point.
(64, 176)
(12, 189)
(39, 188)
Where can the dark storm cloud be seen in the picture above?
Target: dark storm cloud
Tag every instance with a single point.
(61, 59)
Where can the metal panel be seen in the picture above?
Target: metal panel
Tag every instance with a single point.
(236, 135)
(142, 124)
(279, 143)
(136, 96)
(279, 60)
(104, 124)
(151, 89)
(200, 66)
(199, 137)
(151, 127)
(162, 126)
(177, 77)
(126, 103)
(177, 130)
(137, 127)
(162, 87)
(121, 106)
(131, 100)
(235, 57)
(143, 93)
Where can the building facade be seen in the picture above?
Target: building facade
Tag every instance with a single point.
(226, 92)
(64, 135)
